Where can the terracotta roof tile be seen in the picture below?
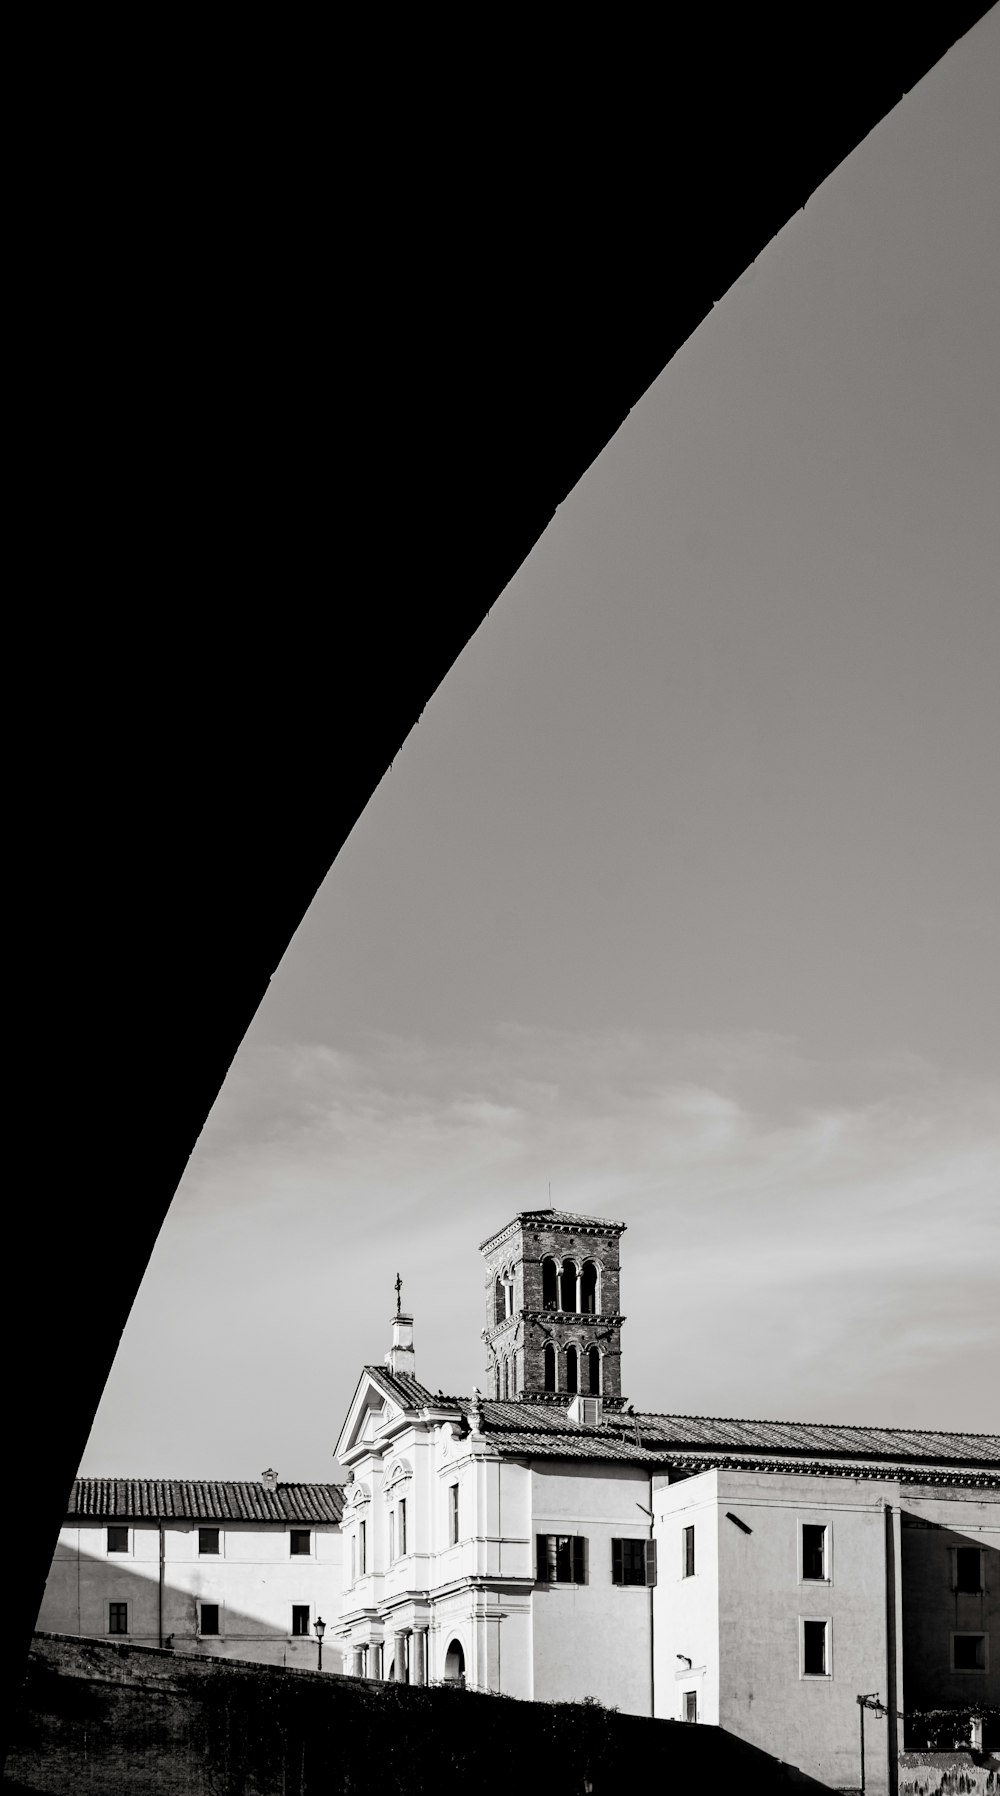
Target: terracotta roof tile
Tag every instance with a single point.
(203, 1500)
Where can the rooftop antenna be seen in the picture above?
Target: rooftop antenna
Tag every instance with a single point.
(399, 1300)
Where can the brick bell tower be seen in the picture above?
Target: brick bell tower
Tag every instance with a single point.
(553, 1320)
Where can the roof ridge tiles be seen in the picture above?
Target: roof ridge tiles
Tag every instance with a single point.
(776, 1422)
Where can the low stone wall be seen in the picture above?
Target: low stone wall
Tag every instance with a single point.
(958, 1773)
(106, 1719)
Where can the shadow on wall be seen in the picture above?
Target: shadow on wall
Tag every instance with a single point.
(951, 1633)
(94, 1598)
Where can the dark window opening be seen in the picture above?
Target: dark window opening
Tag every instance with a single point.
(549, 1362)
(506, 1380)
(453, 1515)
(594, 1365)
(362, 1548)
(499, 1304)
(588, 1289)
(209, 1618)
(299, 1541)
(117, 1539)
(454, 1664)
(117, 1618)
(572, 1370)
(688, 1559)
(567, 1283)
(814, 1648)
(813, 1550)
(550, 1285)
(968, 1569)
(633, 1562)
(561, 1558)
(208, 1540)
(496, 1379)
(970, 1652)
(401, 1512)
(300, 1618)
(690, 1705)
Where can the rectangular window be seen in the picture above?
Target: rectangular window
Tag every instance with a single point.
(814, 1556)
(354, 1559)
(209, 1618)
(815, 1649)
(392, 1535)
(208, 1540)
(299, 1542)
(401, 1529)
(633, 1562)
(117, 1539)
(968, 1652)
(453, 1515)
(690, 1705)
(300, 1618)
(117, 1618)
(561, 1558)
(969, 1569)
(362, 1547)
(687, 1553)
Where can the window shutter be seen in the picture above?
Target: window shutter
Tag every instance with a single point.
(579, 1559)
(650, 1561)
(617, 1572)
(541, 1554)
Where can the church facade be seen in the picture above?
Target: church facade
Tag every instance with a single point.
(542, 1540)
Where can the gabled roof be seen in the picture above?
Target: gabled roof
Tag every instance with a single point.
(405, 1390)
(203, 1500)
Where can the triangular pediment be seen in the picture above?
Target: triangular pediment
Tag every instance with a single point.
(372, 1410)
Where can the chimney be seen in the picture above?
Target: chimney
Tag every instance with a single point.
(401, 1357)
(269, 1479)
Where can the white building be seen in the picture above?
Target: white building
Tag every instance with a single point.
(550, 1544)
(236, 1570)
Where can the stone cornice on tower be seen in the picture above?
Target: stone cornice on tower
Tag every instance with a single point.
(558, 1221)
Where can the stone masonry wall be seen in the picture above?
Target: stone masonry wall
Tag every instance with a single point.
(103, 1719)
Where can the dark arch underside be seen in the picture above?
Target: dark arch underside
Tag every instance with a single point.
(294, 488)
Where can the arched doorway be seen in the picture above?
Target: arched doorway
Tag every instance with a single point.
(454, 1664)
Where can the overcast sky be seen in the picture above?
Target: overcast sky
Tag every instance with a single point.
(681, 898)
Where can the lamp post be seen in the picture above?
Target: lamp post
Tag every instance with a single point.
(872, 1701)
(320, 1627)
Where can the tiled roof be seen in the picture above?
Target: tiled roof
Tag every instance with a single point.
(406, 1390)
(203, 1500)
(692, 1443)
(932, 1445)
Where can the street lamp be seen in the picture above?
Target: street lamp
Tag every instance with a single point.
(872, 1701)
(320, 1627)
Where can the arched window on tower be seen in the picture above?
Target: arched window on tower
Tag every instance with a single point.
(549, 1363)
(594, 1370)
(513, 1374)
(568, 1290)
(499, 1301)
(588, 1288)
(506, 1378)
(572, 1369)
(508, 1287)
(496, 1378)
(550, 1285)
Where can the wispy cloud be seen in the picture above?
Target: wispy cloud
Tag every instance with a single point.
(804, 1238)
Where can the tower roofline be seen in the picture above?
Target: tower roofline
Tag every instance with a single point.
(567, 1221)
